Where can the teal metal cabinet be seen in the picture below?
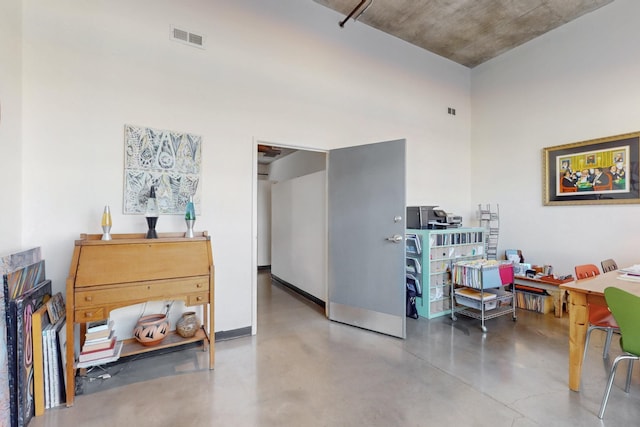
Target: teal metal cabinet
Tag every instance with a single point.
(430, 257)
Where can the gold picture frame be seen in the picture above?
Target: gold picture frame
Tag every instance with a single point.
(597, 171)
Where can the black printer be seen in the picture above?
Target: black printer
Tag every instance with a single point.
(428, 217)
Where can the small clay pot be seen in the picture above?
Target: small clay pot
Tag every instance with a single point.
(151, 329)
(187, 325)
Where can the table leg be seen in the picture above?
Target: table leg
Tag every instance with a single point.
(557, 301)
(578, 323)
(557, 304)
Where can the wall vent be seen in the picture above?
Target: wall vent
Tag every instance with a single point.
(187, 37)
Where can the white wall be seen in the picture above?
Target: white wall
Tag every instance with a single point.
(297, 164)
(281, 70)
(11, 169)
(299, 233)
(576, 83)
(264, 222)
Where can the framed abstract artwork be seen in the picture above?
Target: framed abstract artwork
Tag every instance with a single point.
(167, 160)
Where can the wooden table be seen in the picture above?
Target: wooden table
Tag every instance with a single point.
(581, 293)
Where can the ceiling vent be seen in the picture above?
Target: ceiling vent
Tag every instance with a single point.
(187, 37)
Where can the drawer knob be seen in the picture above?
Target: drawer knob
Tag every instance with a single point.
(199, 285)
(199, 299)
(88, 298)
(88, 314)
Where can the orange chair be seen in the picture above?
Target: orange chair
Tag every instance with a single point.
(586, 270)
(600, 317)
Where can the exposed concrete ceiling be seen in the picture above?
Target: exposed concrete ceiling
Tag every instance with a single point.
(468, 32)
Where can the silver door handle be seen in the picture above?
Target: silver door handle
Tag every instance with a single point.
(396, 238)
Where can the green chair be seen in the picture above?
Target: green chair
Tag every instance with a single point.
(600, 318)
(626, 310)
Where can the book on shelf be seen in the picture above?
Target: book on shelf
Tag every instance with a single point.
(99, 334)
(98, 337)
(100, 345)
(115, 356)
(98, 354)
(98, 325)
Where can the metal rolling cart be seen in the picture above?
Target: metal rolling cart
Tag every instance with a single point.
(478, 290)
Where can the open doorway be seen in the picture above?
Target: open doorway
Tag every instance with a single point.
(365, 186)
(290, 219)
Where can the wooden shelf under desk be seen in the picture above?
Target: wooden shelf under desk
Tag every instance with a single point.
(131, 347)
(130, 269)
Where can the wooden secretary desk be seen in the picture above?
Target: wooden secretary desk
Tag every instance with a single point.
(130, 269)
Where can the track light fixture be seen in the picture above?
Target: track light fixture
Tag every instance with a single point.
(359, 6)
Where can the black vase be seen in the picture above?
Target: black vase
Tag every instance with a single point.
(151, 222)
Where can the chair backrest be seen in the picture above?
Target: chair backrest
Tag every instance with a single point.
(625, 308)
(608, 265)
(586, 270)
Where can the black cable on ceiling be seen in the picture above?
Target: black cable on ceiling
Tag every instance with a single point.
(355, 10)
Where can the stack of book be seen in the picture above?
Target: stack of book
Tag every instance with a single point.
(100, 344)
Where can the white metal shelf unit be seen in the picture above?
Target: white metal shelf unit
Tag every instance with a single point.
(490, 221)
(488, 278)
(430, 256)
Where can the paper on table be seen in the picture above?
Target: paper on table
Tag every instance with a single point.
(629, 277)
(633, 270)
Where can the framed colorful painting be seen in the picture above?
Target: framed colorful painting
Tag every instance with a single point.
(598, 171)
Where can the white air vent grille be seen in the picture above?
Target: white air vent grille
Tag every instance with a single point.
(187, 37)
(180, 35)
(195, 39)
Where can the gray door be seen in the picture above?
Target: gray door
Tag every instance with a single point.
(366, 205)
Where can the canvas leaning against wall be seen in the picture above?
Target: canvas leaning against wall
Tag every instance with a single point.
(8, 264)
(167, 160)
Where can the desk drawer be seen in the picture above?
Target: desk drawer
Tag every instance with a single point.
(143, 291)
(90, 314)
(197, 299)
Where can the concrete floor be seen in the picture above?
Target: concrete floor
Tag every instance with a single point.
(304, 370)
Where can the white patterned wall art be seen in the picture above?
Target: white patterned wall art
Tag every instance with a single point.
(168, 160)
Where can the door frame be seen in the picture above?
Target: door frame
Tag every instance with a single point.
(254, 224)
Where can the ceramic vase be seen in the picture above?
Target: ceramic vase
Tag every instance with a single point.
(187, 325)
